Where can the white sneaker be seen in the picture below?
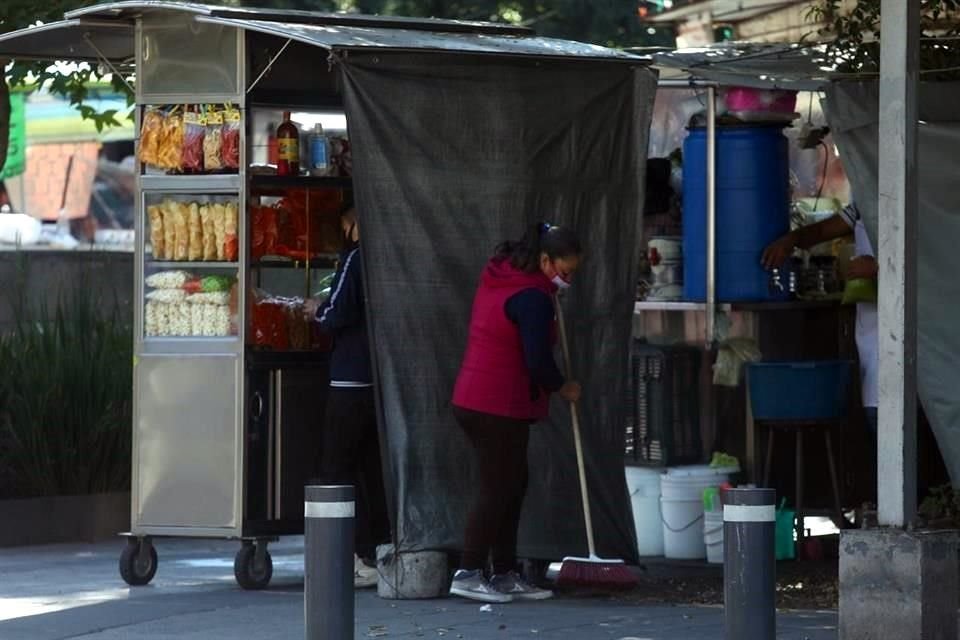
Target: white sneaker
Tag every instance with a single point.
(513, 585)
(364, 577)
(472, 585)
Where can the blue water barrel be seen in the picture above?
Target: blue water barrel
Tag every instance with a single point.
(753, 210)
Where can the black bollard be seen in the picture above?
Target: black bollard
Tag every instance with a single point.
(328, 562)
(749, 564)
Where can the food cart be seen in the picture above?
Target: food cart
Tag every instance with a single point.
(228, 382)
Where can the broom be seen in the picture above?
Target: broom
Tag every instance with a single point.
(591, 571)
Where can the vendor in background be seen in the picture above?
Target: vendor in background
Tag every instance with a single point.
(864, 265)
(350, 452)
(504, 386)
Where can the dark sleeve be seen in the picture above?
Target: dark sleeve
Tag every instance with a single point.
(532, 311)
(344, 307)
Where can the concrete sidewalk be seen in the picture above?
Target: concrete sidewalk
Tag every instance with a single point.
(61, 592)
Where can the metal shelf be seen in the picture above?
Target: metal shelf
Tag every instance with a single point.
(322, 262)
(175, 264)
(262, 181)
(222, 183)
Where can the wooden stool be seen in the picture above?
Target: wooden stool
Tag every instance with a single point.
(801, 428)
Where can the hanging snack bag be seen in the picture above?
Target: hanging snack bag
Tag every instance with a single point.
(171, 142)
(231, 138)
(150, 133)
(230, 242)
(213, 141)
(155, 214)
(194, 130)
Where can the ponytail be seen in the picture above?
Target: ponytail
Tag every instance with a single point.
(540, 237)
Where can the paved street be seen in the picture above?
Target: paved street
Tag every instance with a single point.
(74, 591)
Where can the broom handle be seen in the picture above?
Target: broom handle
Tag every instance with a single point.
(575, 418)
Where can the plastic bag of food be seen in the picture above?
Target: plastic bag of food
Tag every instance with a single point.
(167, 280)
(181, 222)
(860, 290)
(155, 214)
(210, 297)
(167, 296)
(169, 210)
(298, 329)
(214, 284)
(195, 232)
(230, 242)
(209, 238)
(230, 145)
(268, 321)
(150, 321)
(218, 212)
(196, 319)
(151, 131)
(181, 319)
(194, 130)
(171, 142)
(213, 142)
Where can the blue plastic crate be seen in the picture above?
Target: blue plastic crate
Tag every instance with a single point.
(810, 390)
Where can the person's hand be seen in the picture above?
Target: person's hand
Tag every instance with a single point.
(570, 391)
(310, 306)
(778, 252)
(862, 267)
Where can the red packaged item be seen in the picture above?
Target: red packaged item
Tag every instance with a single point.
(264, 228)
(230, 145)
(195, 129)
(268, 322)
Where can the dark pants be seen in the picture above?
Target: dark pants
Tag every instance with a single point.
(500, 445)
(350, 454)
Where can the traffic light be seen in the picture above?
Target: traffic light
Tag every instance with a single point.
(723, 33)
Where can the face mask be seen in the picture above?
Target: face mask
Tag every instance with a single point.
(560, 282)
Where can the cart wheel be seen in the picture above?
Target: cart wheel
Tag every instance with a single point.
(138, 563)
(245, 569)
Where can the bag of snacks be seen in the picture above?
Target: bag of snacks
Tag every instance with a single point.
(181, 222)
(230, 145)
(167, 280)
(170, 152)
(167, 296)
(230, 242)
(210, 297)
(218, 213)
(213, 141)
(155, 215)
(169, 211)
(151, 130)
(194, 130)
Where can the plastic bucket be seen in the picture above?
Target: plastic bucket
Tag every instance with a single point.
(681, 509)
(644, 487)
(713, 536)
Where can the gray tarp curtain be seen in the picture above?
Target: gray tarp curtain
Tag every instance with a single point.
(452, 155)
(853, 116)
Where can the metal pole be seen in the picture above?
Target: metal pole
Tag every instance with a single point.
(711, 305)
(749, 564)
(328, 513)
(897, 257)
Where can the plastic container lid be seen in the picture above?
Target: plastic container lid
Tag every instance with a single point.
(700, 470)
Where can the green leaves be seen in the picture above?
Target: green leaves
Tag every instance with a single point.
(66, 396)
(854, 37)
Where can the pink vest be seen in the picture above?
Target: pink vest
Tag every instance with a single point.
(494, 378)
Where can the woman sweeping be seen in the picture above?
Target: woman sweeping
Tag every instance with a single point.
(504, 386)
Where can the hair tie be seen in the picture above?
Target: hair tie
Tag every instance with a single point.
(545, 227)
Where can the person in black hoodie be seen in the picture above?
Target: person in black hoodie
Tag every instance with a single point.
(350, 450)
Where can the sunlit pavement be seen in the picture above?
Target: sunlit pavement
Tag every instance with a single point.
(75, 591)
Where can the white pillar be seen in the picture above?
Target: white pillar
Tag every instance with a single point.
(897, 257)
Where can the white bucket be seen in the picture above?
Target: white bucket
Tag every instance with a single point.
(681, 507)
(665, 248)
(644, 487)
(713, 536)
